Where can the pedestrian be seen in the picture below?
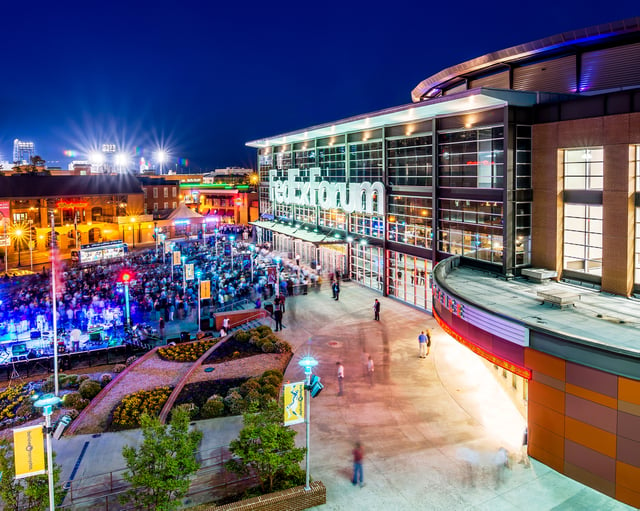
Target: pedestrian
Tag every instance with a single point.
(501, 463)
(277, 315)
(370, 368)
(376, 310)
(333, 289)
(364, 359)
(524, 454)
(337, 290)
(428, 334)
(358, 455)
(226, 324)
(161, 328)
(422, 343)
(340, 377)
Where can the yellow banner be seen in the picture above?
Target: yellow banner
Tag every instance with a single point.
(176, 258)
(28, 447)
(293, 403)
(205, 289)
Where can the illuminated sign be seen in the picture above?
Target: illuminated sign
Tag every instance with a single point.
(362, 197)
(483, 162)
(71, 205)
(500, 362)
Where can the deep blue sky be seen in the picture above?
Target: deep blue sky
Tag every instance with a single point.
(204, 77)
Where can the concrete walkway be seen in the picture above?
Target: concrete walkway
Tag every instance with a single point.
(412, 423)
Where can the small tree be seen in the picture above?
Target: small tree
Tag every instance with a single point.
(266, 446)
(159, 471)
(30, 493)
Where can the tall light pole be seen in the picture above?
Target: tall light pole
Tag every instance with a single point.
(252, 248)
(164, 246)
(18, 236)
(277, 261)
(198, 274)
(184, 275)
(308, 363)
(216, 234)
(30, 245)
(125, 277)
(231, 240)
(54, 301)
(47, 402)
(161, 157)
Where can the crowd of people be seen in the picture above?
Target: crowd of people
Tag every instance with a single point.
(91, 298)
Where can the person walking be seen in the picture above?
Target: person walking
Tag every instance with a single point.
(422, 343)
(428, 334)
(336, 290)
(340, 378)
(376, 310)
(161, 328)
(370, 368)
(277, 315)
(358, 456)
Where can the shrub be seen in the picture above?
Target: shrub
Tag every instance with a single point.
(82, 377)
(234, 402)
(270, 379)
(26, 409)
(75, 400)
(268, 347)
(256, 340)
(190, 408)
(130, 360)
(282, 347)
(188, 352)
(270, 391)
(89, 389)
(73, 380)
(214, 407)
(274, 372)
(118, 368)
(264, 329)
(48, 385)
(248, 386)
(242, 336)
(105, 379)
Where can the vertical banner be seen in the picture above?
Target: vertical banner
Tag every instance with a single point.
(272, 276)
(189, 271)
(5, 240)
(293, 403)
(167, 247)
(205, 289)
(28, 447)
(176, 258)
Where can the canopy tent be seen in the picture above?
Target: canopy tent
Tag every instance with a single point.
(182, 212)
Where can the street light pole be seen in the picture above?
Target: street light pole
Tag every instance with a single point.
(199, 274)
(54, 300)
(47, 402)
(184, 275)
(30, 245)
(277, 261)
(252, 247)
(231, 240)
(308, 363)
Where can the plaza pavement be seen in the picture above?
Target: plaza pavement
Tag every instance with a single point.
(412, 423)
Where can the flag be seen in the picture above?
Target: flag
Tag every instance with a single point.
(293, 403)
(176, 258)
(28, 447)
(205, 289)
(189, 271)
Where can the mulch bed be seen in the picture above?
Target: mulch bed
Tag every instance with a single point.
(198, 392)
(232, 349)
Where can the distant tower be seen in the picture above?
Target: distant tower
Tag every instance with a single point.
(23, 151)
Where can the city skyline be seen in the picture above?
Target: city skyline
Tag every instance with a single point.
(200, 81)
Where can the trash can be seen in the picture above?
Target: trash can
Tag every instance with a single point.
(269, 307)
(185, 336)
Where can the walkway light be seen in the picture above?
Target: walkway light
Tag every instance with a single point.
(47, 402)
(308, 363)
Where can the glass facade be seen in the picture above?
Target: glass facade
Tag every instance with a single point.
(472, 229)
(408, 279)
(409, 221)
(583, 238)
(472, 158)
(636, 164)
(365, 162)
(367, 265)
(409, 161)
(584, 168)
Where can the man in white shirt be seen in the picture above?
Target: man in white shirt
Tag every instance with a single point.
(340, 377)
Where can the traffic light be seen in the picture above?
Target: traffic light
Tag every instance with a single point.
(126, 276)
(314, 387)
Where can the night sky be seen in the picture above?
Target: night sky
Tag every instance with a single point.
(201, 78)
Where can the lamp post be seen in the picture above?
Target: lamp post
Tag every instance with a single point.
(155, 237)
(216, 240)
(308, 363)
(277, 261)
(231, 240)
(18, 235)
(252, 248)
(198, 275)
(54, 300)
(30, 245)
(184, 275)
(164, 246)
(126, 279)
(47, 402)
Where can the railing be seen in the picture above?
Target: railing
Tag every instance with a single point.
(212, 482)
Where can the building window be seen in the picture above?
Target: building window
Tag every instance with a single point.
(409, 221)
(174, 192)
(155, 192)
(365, 162)
(409, 161)
(331, 161)
(166, 205)
(472, 229)
(472, 158)
(367, 225)
(174, 205)
(583, 238)
(408, 279)
(166, 192)
(304, 159)
(155, 207)
(333, 219)
(583, 168)
(366, 265)
(306, 214)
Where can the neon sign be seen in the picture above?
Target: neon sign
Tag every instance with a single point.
(500, 362)
(346, 196)
(71, 205)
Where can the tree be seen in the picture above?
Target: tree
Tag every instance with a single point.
(266, 446)
(30, 493)
(160, 470)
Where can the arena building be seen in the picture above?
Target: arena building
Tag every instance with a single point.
(505, 200)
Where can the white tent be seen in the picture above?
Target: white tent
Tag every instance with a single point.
(182, 212)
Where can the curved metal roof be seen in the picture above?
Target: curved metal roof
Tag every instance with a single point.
(432, 86)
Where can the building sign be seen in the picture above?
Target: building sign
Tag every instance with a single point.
(71, 204)
(362, 197)
(28, 447)
(293, 403)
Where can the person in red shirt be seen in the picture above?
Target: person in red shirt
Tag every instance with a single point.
(358, 455)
